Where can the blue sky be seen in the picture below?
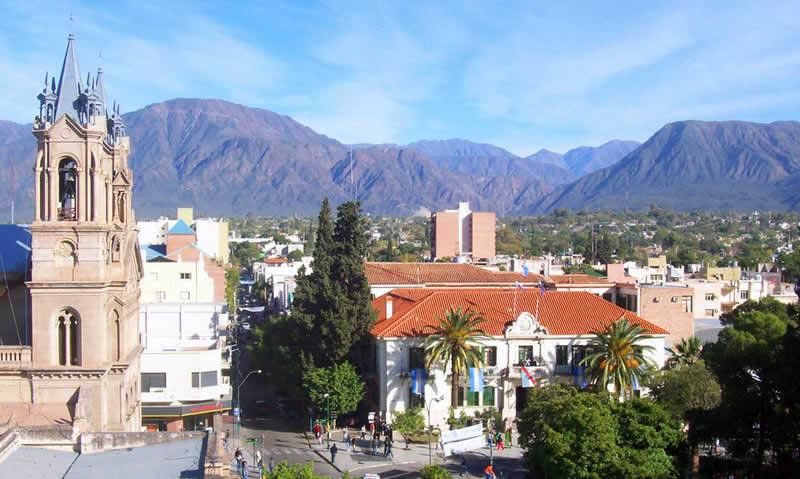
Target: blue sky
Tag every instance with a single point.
(521, 75)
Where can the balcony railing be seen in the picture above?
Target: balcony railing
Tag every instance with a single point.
(15, 357)
(67, 214)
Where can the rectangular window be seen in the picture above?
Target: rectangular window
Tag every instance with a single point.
(608, 297)
(208, 378)
(185, 295)
(186, 275)
(488, 396)
(490, 356)
(745, 295)
(525, 353)
(154, 276)
(195, 380)
(710, 297)
(687, 304)
(562, 355)
(161, 296)
(578, 353)
(473, 398)
(153, 380)
(416, 358)
(460, 401)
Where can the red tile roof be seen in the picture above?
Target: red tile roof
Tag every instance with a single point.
(560, 312)
(441, 274)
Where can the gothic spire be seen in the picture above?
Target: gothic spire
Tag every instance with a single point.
(69, 89)
(101, 91)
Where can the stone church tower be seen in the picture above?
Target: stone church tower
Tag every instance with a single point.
(85, 261)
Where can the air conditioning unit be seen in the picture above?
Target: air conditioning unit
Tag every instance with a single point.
(158, 390)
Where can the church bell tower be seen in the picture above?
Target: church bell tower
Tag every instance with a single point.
(86, 265)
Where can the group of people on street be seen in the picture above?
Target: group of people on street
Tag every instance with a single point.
(241, 464)
(349, 441)
(499, 440)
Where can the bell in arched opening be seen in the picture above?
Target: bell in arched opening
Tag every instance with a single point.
(67, 185)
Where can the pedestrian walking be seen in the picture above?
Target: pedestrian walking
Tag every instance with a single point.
(271, 465)
(373, 446)
(244, 469)
(363, 432)
(258, 456)
(489, 440)
(508, 438)
(226, 440)
(334, 450)
(346, 439)
(388, 446)
(488, 473)
(353, 443)
(260, 465)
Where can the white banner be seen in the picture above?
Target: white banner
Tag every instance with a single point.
(461, 440)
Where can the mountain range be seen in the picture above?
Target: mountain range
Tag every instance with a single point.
(228, 159)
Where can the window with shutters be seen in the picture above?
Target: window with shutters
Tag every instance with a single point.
(488, 396)
(562, 355)
(490, 356)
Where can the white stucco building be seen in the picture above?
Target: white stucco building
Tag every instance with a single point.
(182, 367)
(548, 331)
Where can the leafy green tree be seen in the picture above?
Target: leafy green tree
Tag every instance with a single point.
(567, 433)
(455, 340)
(283, 470)
(752, 253)
(245, 254)
(686, 390)
(686, 352)
(409, 421)
(434, 472)
(616, 356)
(231, 286)
(295, 255)
(749, 359)
(790, 262)
(341, 382)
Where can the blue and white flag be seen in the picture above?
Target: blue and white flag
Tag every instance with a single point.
(475, 379)
(524, 270)
(519, 285)
(418, 377)
(528, 379)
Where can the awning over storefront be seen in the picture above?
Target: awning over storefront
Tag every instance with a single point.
(186, 409)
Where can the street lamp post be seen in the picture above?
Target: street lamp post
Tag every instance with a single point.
(239, 399)
(328, 421)
(430, 427)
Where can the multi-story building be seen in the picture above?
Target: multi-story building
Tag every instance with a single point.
(384, 277)
(546, 332)
(183, 380)
(79, 360)
(462, 233)
(211, 234)
(180, 272)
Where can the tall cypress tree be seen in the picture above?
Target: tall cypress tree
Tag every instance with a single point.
(350, 237)
(316, 301)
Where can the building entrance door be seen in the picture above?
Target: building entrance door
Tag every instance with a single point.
(522, 399)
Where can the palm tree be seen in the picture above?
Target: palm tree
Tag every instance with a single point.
(686, 352)
(616, 356)
(455, 340)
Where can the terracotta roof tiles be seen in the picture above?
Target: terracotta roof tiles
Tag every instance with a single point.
(440, 274)
(415, 310)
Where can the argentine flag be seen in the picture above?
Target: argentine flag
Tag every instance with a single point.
(475, 379)
(418, 381)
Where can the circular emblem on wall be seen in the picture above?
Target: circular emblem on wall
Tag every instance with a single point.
(525, 323)
(66, 133)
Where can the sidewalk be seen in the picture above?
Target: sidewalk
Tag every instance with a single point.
(361, 459)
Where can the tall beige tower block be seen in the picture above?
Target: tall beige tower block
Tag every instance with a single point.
(85, 261)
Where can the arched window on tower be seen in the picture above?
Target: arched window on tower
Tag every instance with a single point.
(121, 207)
(68, 327)
(115, 337)
(115, 249)
(67, 187)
